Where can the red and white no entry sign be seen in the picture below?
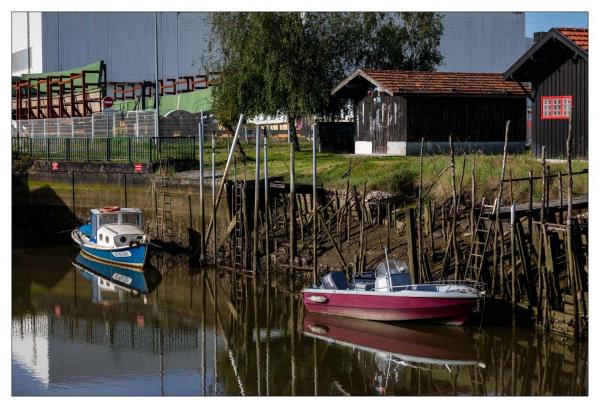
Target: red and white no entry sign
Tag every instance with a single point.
(137, 167)
(107, 102)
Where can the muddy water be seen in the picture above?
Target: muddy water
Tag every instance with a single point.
(202, 332)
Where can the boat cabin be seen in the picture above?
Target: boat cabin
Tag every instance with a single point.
(118, 227)
(390, 276)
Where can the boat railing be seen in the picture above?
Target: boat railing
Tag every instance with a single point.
(457, 285)
(461, 282)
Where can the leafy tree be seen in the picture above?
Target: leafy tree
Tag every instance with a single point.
(286, 63)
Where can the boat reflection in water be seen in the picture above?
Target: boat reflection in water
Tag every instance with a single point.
(108, 280)
(407, 345)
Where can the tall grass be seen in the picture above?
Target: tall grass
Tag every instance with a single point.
(400, 175)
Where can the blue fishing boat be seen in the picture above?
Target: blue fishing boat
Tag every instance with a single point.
(112, 278)
(114, 235)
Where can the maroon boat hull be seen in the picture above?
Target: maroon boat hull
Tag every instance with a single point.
(450, 310)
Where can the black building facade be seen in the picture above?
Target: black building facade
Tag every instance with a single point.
(394, 109)
(557, 69)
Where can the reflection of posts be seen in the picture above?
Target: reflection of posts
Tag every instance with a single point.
(257, 331)
(203, 336)
(268, 341)
(293, 336)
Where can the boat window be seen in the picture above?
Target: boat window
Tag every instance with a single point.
(108, 218)
(123, 239)
(106, 239)
(129, 218)
(101, 237)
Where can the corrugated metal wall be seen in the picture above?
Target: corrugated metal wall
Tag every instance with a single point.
(472, 42)
(482, 42)
(569, 78)
(125, 41)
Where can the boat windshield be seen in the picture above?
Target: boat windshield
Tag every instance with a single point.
(131, 218)
(123, 217)
(395, 267)
(108, 218)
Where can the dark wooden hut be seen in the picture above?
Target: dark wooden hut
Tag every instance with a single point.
(557, 68)
(394, 109)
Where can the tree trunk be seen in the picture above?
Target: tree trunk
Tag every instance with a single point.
(293, 134)
(241, 152)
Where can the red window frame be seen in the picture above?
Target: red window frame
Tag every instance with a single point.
(553, 114)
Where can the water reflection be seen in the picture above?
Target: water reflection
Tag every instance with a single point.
(214, 333)
(107, 280)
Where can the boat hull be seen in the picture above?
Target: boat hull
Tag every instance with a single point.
(371, 306)
(134, 257)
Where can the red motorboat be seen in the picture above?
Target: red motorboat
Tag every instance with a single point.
(389, 295)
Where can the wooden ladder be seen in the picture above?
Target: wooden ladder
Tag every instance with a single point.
(478, 249)
(164, 214)
(238, 244)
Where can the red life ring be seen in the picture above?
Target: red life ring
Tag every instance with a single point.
(113, 208)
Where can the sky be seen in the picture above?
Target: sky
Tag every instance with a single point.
(539, 21)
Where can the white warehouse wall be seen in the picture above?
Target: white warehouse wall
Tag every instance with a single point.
(19, 42)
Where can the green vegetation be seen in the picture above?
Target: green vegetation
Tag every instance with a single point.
(400, 175)
(286, 63)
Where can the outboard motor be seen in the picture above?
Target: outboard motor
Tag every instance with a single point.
(335, 280)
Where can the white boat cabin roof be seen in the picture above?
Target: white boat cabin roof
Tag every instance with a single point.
(121, 210)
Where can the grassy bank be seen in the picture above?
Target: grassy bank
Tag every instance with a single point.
(400, 175)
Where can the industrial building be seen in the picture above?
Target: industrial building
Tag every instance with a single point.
(58, 41)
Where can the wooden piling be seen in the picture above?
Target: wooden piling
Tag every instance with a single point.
(267, 216)
(454, 211)
(411, 239)
(124, 189)
(256, 201)
(420, 250)
(472, 216)
(73, 194)
(224, 176)
(347, 201)
(292, 251)
(214, 199)
(314, 203)
(571, 264)
(540, 266)
(201, 186)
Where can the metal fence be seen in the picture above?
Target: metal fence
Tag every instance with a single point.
(108, 149)
(125, 137)
(114, 124)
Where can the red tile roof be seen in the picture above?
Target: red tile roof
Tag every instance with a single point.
(421, 82)
(578, 35)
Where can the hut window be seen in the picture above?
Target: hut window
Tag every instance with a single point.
(556, 107)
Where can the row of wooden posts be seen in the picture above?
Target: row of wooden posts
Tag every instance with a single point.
(523, 272)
